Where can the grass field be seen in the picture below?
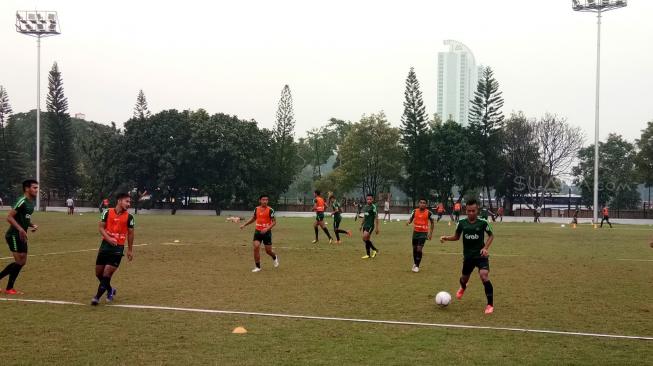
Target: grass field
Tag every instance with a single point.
(544, 276)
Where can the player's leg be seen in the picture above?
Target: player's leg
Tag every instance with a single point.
(484, 274)
(109, 270)
(368, 243)
(20, 260)
(315, 225)
(267, 242)
(256, 246)
(468, 268)
(607, 218)
(326, 230)
(418, 244)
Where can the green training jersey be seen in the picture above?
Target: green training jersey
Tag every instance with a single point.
(24, 209)
(335, 206)
(473, 236)
(484, 213)
(370, 213)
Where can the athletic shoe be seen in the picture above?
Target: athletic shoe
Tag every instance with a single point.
(415, 268)
(349, 233)
(365, 257)
(111, 294)
(13, 291)
(330, 241)
(374, 253)
(460, 293)
(95, 301)
(276, 262)
(314, 242)
(256, 269)
(489, 309)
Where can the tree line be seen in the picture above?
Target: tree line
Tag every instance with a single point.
(172, 155)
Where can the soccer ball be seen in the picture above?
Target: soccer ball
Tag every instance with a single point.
(563, 225)
(442, 298)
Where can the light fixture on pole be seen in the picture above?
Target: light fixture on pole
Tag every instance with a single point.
(598, 7)
(38, 24)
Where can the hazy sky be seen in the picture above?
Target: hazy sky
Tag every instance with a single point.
(341, 58)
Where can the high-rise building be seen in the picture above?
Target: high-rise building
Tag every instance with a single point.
(457, 81)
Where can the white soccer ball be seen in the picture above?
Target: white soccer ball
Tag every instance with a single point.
(442, 298)
(563, 225)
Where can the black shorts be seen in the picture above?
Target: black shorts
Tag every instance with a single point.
(107, 258)
(265, 238)
(319, 216)
(337, 219)
(15, 244)
(369, 229)
(470, 263)
(419, 238)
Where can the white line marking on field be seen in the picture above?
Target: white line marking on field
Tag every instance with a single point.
(67, 252)
(351, 320)
(636, 260)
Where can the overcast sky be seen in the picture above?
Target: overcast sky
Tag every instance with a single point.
(341, 58)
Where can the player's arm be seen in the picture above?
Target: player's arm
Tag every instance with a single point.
(454, 237)
(431, 227)
(274, 223)
(11, 219)
(376, 222)
(251, 219)
(488, 242)
(412, 217)
(130, 244)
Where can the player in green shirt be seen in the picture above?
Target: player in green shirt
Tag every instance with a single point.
(337, 218)
(370, 222)
(20, 220)
(475, 251)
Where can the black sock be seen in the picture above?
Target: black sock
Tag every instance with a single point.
(367, 247)
(13, 275)
(316, 233)
(258, 264)
(489, 292)
(107, 284)
(326, 231)
(7, 270)
(337, 234)
(463, 284)
(274, 256)
(369, 243)
(417, 256)
(101, 287)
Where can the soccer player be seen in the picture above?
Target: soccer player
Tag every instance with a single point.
(538, 212)
(20, 221)
(422, 231)
(370, 222)
(606, 216)
(104, 205)
(265, 221)
(574, 220)
(337, 218)
(386, 209)
(116, 227)
(500, 213)
(71, 206)
(440, 211)
(319, 207)
(475, 251)
(457, 207)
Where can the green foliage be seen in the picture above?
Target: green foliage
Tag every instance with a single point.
(60, 162)
(644, 160)
(617, 174)
(285, 162)
(141, 111)
(11, 160)
(414, 139)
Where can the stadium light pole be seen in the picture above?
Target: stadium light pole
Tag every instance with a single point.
(38, 24)
(598, 7)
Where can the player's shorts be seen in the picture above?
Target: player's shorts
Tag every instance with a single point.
(369, 229)
(606, 217)
(265, 238)
(337, 219)
(386, 212)
(15, 244)
(319, 216)
(470, 263)
(109, 258)
(419, 238)
(440, 214)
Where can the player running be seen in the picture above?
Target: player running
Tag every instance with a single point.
(606, 216)
(457, 207)
(319, 207)
(116, 227)
(475, 251)
(440, 210)
(500, 212)
(20, 221)
(265, 221)
(337, 218)
(422, 231)
(370, 222)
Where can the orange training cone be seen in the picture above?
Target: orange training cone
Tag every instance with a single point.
(239, 330)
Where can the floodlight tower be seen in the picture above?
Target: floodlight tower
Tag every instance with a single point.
(598, 7)
(38, 24)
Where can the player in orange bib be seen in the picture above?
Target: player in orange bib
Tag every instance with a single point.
(423, 225)
(319, 207)
(117, 228)
(265, 221)
(440, 210)
(606, 216)
(457, 207)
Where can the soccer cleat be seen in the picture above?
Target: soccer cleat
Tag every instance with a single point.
(111, 294)
(12, 291)
(349, 233)
(276, 262)
(374, 253)
(330, 241)
(489, 309)
(415, 268)
(314, 241)
(256, 269)
(95, 301)
(460, 293)
(365, 257)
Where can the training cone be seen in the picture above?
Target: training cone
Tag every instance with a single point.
(596, 227)
(449, 223)
(239, 330)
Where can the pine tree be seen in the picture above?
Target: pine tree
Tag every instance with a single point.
(60, 160)
(11, 163)
(141, 111)
(285, 159)
(414, 128)
(485, 124)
